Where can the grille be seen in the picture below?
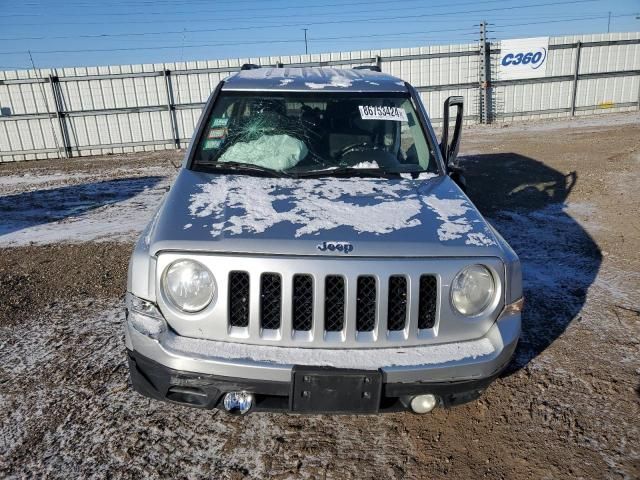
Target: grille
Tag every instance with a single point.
(366, 304)
(333, 303)
(428, 301)
(302, 302)
(270, 300)
(365, 297)
(239, 299)
(397, 307)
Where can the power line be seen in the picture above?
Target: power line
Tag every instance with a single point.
(148, 2)
(289, 7)
(461, 31)
(252, 42)
(225, 19)
(576, 19)
(332, 22)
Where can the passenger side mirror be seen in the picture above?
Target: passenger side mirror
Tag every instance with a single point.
(449, 148)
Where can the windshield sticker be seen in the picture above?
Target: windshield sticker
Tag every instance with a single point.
(377, 112)
(212, 144)
(217, 133)
(219, 122)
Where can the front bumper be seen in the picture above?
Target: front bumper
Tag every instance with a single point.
(195, 372)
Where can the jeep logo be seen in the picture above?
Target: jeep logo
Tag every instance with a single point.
(344, 247)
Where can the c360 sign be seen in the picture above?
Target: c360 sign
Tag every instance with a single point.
(523, 58)
(534, 59)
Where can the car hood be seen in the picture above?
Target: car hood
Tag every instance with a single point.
(429, 216)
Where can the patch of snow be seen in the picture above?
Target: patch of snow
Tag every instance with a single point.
(373, 164)
(107, 210)
(420, 176)
(455, 224)
(451, 213)
(479, 239)
(38, 179)
(336, 81)
(367, 359)
(316, 204)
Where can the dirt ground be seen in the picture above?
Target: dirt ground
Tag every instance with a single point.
(565, 195)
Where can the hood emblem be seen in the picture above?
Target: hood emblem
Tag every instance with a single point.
(342, 247)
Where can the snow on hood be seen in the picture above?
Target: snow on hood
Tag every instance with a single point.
(237, 208)
(315, 205)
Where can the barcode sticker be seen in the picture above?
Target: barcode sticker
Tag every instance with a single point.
(371, 112)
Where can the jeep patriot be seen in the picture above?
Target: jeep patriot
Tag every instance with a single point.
(317, 254)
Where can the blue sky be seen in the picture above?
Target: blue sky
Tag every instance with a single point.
(87, 32)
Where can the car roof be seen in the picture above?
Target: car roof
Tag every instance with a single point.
(318, 79)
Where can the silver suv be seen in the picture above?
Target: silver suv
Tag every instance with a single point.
(316, 253)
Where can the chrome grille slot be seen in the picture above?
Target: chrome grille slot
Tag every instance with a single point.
(270, 300)
(334, 303)
(302, 302)
(239, 299)
(428, 301)
(397, 306)
(366, 304)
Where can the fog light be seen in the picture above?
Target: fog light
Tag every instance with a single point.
(423, 403)
(238, 402)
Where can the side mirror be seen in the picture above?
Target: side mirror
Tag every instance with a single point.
(450, 150)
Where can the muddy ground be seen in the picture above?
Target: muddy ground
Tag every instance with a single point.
(564, 194)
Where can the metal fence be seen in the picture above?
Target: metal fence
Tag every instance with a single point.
(115, 109)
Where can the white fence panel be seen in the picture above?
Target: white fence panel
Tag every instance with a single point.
(124, 108)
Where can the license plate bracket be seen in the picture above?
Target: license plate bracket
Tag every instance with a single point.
(335, 390)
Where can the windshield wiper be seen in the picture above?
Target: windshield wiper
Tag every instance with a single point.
(349, 172)
(239, 167)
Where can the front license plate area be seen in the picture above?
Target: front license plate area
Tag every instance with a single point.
(335, 390)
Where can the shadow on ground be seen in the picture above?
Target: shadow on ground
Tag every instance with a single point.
(28, 209)
(525, 201)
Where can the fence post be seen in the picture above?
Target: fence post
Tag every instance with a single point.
(171, 107)
(60, 114)
(379, 62)
(639, 93)
(576, 71)
(485, 75)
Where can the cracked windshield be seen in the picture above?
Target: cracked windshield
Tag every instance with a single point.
(315, 135)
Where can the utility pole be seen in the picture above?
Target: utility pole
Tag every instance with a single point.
(306, 46)
(609, 23)
(485, 75)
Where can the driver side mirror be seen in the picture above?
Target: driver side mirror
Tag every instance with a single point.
(449, 147)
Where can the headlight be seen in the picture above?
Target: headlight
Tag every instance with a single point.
(472, 290)
(189, 285)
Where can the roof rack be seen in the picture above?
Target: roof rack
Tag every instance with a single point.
(373, 68)
(250, 66)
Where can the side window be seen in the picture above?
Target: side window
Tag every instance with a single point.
(413, 145)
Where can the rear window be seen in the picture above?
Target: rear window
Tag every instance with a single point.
(306, 132)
